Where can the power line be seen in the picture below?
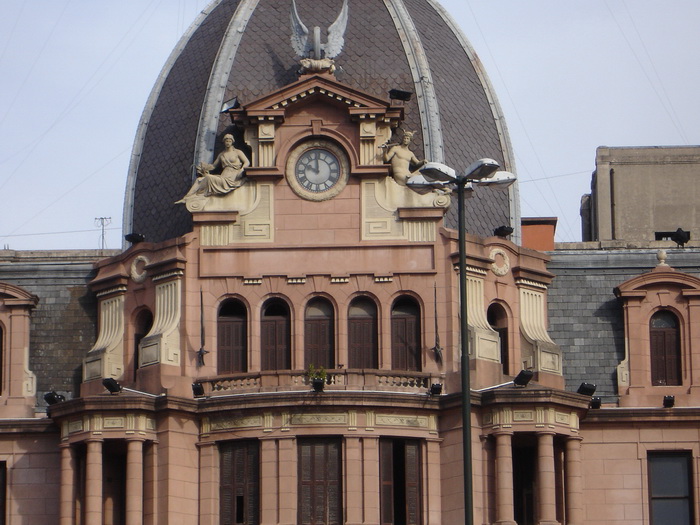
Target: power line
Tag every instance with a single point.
(55, 233)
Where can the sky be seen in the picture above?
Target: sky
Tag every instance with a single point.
(570, 76)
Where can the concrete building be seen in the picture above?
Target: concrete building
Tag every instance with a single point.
(280, 341)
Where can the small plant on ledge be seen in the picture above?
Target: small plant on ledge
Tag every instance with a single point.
(317, 377)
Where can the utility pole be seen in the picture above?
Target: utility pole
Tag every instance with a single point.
(102, 222)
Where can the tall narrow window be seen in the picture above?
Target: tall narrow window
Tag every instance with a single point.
(400, 491)
(498, 319)
(276, 336)
(240, 482)
(319, 334)
(670, 488)
(665, 349)
(363, 350)
(232, 338)
(320, 487)
(142, 325)
(405, 335)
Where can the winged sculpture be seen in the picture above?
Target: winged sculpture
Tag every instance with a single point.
(314, 55)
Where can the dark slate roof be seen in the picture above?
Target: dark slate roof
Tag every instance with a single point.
(374, 59)
(585, 317)
(63, 325)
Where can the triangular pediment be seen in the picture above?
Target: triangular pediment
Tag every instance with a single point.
(359, 103)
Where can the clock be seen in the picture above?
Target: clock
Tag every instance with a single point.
(317, 170)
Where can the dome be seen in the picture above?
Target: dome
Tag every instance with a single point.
(242, 49)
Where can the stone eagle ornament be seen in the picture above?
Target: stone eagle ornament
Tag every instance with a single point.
(315, 56)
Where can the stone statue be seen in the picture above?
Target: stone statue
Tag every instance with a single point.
(402, 159)
(232, 162)
(321, 55)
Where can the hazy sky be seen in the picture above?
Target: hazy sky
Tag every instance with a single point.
(570, 76)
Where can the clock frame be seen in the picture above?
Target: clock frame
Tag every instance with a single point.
(317, 170)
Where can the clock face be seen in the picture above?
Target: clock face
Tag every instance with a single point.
(317, 170)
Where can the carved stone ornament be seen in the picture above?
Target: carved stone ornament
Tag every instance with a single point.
(138, 268)
(315, 56)
(501, 262)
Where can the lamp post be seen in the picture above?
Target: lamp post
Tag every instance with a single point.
(483, 172)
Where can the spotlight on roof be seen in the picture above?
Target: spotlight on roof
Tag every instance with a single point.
(669, 401)
(111, 384)
(435, 389)
(680, 237)
(596, 402)
(523, 378)
(230, 104)
(503, 231)
(399, 94)
(587, 389)
(197, 389)
(135, 238)
(52, 398)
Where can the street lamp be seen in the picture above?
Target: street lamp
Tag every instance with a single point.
(436, 175)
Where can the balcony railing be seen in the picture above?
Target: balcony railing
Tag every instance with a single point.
(347, 379)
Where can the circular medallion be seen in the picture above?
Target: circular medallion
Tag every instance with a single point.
(138, 268)
(501, 262)
(317, 170)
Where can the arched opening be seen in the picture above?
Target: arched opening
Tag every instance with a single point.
(363, 348)
(405, 335)
(232, 337)
(665, 349)
(275, 335)
(319, 334)
(498, 320)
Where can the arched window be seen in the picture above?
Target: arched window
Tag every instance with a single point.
(275, 335)
(232, 337)
(319, 334)
(405, 335)
(665, 349)
(142, 325)
(363, 350)
(498, 320)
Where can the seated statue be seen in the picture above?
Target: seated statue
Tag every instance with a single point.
(232, 162)
(402, 159)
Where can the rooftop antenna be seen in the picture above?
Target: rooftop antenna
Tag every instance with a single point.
(103, 222)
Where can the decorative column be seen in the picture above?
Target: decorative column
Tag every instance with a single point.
(546, 480)
(209, 481)
(353, 480)
(574, 481)
(505, 508)
(134, 481)
(93, 482)
(269, 472)
(371, 485)
(67, 505)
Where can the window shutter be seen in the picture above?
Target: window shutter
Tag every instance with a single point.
(240, 483)
(413, 492)
(386, 474)
(320, 487)
(362, 344)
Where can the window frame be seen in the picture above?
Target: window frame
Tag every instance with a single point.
(232, 358)
(329, 485)
(319, 335)
(665, 352)
(231, 453)
(363, 336)
(656, 456)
